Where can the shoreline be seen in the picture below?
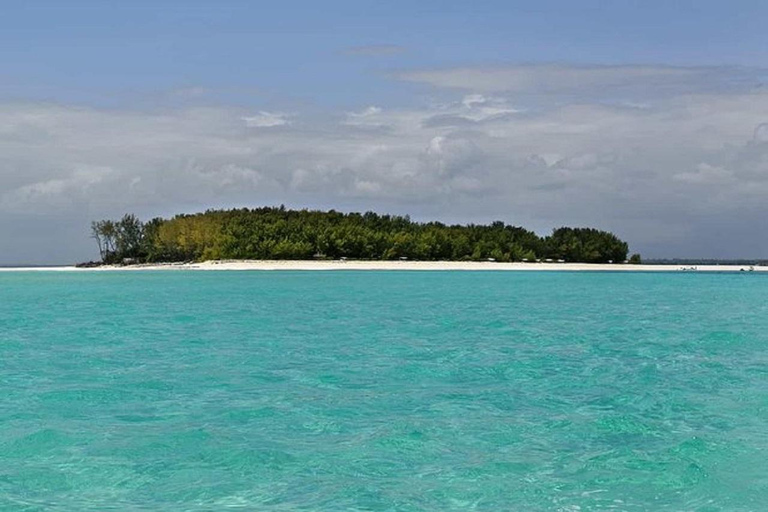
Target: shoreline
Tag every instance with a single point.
(325, 265)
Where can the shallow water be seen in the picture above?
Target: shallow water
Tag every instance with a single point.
(383, 391)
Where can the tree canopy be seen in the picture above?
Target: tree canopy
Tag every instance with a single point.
(280, 233)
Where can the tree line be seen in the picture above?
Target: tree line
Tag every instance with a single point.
(279, 233)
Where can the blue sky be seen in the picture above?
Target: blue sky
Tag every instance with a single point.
(646, 118)
(297, 51)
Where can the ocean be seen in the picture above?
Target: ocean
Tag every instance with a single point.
(566, 391)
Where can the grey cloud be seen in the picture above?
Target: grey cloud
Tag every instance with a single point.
(448, 120)
(671, 177)
(761, 133)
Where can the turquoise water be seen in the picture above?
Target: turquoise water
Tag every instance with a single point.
(383, 391)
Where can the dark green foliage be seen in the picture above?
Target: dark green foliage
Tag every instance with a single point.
(585, 245)
(120, 240)
(278, 233)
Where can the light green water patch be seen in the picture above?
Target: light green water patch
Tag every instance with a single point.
(383, 391)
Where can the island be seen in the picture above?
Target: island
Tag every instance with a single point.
(278, 233)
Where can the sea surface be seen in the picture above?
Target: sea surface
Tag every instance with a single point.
(438, 391)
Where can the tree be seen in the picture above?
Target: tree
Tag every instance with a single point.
(130, 232)
(97, 234)
(118, 240)
(105, 234)
(280, 233)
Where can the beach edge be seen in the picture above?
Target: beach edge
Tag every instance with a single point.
(325, 265)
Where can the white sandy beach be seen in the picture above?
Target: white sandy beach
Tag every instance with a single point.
(399, 265)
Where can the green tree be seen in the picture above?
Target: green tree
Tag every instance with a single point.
(280, 233)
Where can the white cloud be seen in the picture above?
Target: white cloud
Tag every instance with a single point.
(366, 117)
(266, 119)
(687, 172)
(54, 192)
(365, 113)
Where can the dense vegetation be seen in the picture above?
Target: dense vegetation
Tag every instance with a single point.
(278, 233)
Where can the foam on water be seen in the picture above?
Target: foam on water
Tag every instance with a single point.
(383, 391)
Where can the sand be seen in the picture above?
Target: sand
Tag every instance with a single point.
(400, 265)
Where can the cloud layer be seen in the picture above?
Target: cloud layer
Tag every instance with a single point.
(682, 171)
(590, 81)
(375, 50)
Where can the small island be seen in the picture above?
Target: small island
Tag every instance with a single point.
(278, 233)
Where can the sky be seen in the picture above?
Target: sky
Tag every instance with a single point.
(648, 119)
